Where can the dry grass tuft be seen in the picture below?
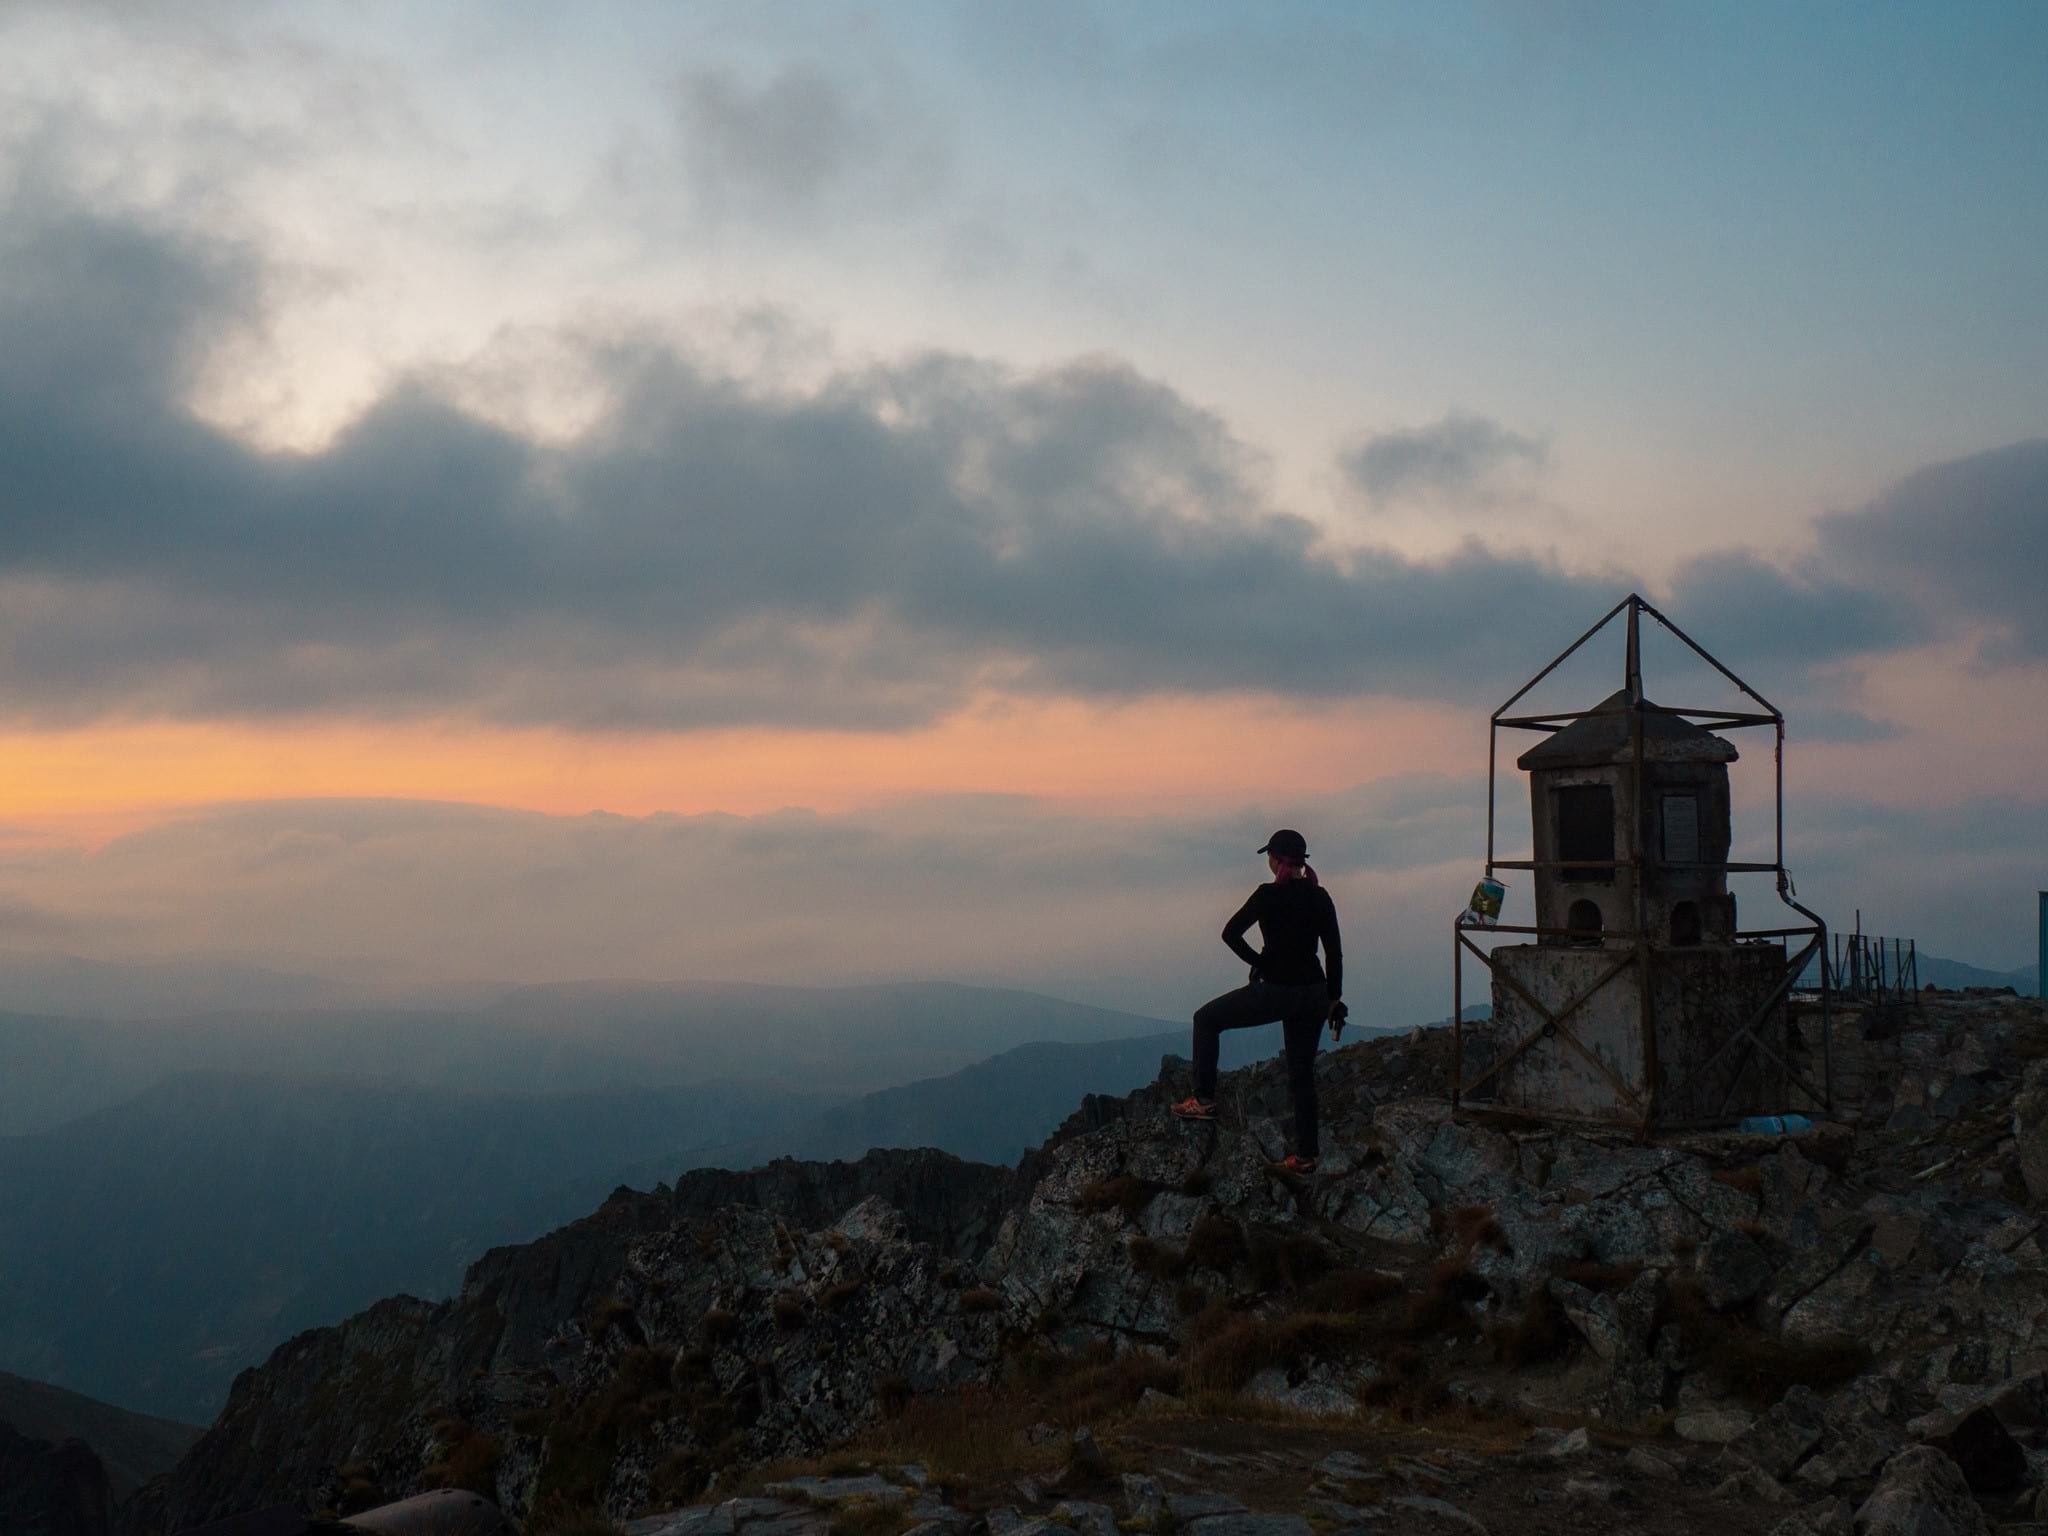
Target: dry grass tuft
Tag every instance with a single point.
(1536, 1333)
(1406, 1387)
(1229, 1358)
(1595, 1276)
(1123, 1192)
(1101, 1383)
(554, 1517)
(1350, 1290)
(1283, 1259)
(1157, 1259)
(718, 1323)
(469, 1459)
(1214, 1242)
(969, 1437)
(1746, 1180)
(610, 1312)
(893, 1394)
(871, 1517)
(1477, 1226)
(689, 1367)
(360, 1489)
(1761, 1366)
(1442, 1304)
(839, 1293)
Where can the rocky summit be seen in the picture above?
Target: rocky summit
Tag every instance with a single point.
(1456, 1324)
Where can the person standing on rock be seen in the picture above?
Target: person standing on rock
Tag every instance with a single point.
(1288, 987)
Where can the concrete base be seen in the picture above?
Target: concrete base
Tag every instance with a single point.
(1701, 996)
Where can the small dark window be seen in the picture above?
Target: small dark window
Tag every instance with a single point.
(1585, 830)
(1685, 922)
(1681, 829)
(1584, 921)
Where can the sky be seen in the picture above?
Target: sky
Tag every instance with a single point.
(834, 493)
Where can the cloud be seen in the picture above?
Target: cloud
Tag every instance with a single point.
(1765, 611)
(873, 550)
(1461, 457)
(870, 552)
(1966, 540)
(803, 145)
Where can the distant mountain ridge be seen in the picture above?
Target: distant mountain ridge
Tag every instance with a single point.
(991, 1112)
(1955, 975)
(156, 1247)
(580, 1037)
(219, 1213)
(133, 1447)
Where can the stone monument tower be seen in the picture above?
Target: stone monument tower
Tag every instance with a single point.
(1640, 1002)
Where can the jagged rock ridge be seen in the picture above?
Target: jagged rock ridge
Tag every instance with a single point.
(1820, 1304)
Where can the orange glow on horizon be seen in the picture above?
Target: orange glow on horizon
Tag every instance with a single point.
(89, 785)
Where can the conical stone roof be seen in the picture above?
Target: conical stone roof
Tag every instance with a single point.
(1602, 738)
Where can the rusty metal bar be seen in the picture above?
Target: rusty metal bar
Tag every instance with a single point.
(1492, 745)
(1792, 973)
(1457, 1015)
(1562, 656)
(1731, 719)
(1778, 759)
(1701, 652)
(1638, 836)
(1730, 867)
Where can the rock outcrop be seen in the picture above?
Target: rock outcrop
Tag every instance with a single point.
(51, 1489)
(1816, 1315)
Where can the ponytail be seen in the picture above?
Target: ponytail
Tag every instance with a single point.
(1292, 868)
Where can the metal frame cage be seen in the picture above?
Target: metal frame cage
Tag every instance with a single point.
(1641, 1098)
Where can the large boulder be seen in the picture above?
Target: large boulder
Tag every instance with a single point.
(2030, 1128)
(1922, 1493)
(51, 1489)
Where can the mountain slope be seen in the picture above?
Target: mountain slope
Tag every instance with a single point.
(133, 1447)
(1462, 1274)
(991, 1112)
(154, 1249)
(1955, 975)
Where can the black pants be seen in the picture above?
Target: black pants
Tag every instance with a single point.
(1300, 1012)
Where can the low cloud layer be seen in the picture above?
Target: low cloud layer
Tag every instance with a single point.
(1463, 458)
(871, 552)
(1967, 539)
(801, 146)
(1121, 910)
(991, 888)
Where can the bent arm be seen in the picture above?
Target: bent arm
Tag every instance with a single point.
(1234, 930)
(1333, 948)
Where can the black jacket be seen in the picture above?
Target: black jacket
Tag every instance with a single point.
(1292, 917)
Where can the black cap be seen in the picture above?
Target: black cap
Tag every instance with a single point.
(1288, 843)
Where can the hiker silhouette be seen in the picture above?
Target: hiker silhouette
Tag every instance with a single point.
(1287, 986)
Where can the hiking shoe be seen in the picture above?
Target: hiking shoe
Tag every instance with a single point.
(1192, 1108)
(1299, 1166)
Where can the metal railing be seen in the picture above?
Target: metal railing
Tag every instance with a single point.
(1865, 966)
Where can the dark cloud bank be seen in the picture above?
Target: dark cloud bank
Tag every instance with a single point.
(1461, 456)
(866, 554)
